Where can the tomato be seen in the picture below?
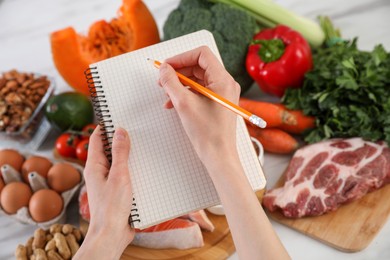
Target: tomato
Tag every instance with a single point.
(87, 130)
(82, 150)
(66, 145)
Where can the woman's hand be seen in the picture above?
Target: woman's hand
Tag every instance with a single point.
(212, 131)
(110, 198)
(208, 125)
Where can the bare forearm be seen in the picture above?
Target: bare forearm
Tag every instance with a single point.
(252, 232)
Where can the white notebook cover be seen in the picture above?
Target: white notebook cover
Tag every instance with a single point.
(167, 176)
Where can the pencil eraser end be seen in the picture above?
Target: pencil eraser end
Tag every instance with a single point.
(257, 121)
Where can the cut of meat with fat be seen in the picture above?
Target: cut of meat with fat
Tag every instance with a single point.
(322, 176)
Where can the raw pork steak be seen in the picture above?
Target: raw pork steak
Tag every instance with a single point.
(322, 176)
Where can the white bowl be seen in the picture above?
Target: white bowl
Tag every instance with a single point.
(260, 148)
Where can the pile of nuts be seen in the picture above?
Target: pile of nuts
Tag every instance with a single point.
(59, 242)
(20, 94)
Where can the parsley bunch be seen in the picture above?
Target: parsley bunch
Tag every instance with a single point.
(348, 91)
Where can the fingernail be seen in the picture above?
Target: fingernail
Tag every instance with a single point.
(120, 134)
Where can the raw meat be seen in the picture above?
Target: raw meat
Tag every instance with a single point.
(322, 176)
(83, 203)
(176, 233)
(180, 233)
(201, 218)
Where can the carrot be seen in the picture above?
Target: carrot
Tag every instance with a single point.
(274, 115)
(274, 140)
(304, 122)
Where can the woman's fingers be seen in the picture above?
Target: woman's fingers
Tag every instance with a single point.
(171, 84)
(97, 165)
(201, 56)
(204, 65)
(120, 154)
(195, 73)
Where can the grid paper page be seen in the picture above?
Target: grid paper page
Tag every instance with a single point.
(167, 176)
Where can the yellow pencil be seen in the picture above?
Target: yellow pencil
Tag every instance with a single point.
(255, 120)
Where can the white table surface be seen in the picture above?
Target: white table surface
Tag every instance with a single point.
(24, 45)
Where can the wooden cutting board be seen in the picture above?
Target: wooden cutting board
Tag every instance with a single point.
(217, 245)
(350, 228)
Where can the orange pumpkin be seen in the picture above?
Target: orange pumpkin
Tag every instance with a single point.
(134, 28)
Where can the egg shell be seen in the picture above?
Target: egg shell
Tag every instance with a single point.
(62, 177)
(11, 157)
(45, 205)
(38, 164)
(14, 196)
(2, 184)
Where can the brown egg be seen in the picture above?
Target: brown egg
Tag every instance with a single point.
(14, 196)
(2, 184)
(11, 157)
(45, 204)
(38, 164)
(63, 177)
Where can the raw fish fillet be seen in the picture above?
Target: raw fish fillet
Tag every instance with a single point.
(201, 218)
(176, 233)
(179, 233)
(83, 203)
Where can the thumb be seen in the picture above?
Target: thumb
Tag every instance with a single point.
(171, 84)
(120, 151)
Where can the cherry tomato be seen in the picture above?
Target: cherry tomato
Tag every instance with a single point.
(66, 145)
(82, 150)
(87, 130)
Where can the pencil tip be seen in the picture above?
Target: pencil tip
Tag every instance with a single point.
(151, 61)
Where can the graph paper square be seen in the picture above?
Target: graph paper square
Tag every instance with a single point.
(168, 178)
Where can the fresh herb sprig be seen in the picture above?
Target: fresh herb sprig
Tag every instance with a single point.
(348, 91)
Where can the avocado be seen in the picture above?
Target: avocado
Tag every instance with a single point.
(69, 111)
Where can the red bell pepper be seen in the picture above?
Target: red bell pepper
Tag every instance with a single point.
(278, 58)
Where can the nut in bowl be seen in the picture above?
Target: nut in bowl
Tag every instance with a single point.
(42, 199)
(22, 98)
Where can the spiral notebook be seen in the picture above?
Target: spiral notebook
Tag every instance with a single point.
(167, 176)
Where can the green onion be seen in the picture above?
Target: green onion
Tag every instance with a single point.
(271, 14)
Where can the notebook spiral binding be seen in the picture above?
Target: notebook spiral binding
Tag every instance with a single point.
(107, 128)
(101, 108)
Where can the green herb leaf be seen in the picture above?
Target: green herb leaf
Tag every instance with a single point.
(348, 91)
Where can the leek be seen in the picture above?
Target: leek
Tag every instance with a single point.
(271, 14)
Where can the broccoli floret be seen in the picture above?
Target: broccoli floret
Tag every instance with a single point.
(233, 30)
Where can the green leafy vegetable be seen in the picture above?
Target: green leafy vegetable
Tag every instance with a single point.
(232, 29)
(348, 91)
